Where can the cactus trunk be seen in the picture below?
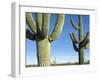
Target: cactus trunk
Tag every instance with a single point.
(43, 52)
(81, 51)
(81, 56)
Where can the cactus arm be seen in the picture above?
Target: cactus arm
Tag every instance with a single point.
(74, 43)
(85, 41)
(73, 38)
(74, 25)
(87, 45)
(87, 36)
(30, 21)
(39, 21)
(84, 44)
(39, 26)
(46, 21)
(75, 47)
(29, 35)
(58, 27)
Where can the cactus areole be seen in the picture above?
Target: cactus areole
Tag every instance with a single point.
(39, 33)
(82, 41)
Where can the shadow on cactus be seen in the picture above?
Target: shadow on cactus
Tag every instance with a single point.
(82, 42)
(39, 32)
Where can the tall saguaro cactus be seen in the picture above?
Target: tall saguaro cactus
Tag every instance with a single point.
(82, 42)
(39, 33)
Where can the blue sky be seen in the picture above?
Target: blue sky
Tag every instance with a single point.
(62, 48)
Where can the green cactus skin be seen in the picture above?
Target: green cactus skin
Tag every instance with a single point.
(39, 33)
(82, 41)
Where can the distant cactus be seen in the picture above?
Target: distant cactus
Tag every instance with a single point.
(39, 33)
(82, 42)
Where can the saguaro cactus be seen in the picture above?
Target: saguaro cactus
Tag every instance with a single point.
(82, 42)
(39, 33)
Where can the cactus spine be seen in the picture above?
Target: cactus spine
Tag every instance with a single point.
(82, 42)
(39, 33)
